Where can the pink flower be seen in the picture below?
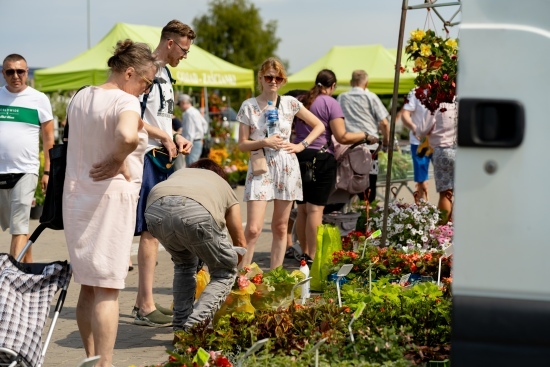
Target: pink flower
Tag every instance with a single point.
(243, 282)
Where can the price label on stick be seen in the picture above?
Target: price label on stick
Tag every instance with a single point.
(375, 234)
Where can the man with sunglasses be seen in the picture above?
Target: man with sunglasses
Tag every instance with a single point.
(157, 110)
(24, 111)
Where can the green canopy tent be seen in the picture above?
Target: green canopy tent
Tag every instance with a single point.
(376, 60)
(200, 69)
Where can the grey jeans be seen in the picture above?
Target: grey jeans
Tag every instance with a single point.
(188, 232)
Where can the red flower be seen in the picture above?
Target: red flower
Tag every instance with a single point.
(257, 279)
(222, 361)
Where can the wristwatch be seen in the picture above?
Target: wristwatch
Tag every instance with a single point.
(367, 137)
(305, 143)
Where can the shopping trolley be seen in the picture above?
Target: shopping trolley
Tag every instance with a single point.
(26, 293)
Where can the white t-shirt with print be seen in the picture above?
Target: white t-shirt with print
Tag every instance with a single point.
(157, 113)
(21, 115)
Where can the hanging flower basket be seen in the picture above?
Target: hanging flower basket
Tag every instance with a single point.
(435, 60)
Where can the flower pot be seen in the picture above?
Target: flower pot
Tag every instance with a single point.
(36, 211)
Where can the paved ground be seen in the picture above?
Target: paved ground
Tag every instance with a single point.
(135, 345)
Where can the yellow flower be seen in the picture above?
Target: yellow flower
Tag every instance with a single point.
(420, 63)
(414, 46)
(451, 42)
(425, 50)
(417, 35)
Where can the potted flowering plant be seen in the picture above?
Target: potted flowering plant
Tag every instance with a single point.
(409, 225)
(435, 60)
(234, 162)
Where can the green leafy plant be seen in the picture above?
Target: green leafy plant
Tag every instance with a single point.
(401, 164)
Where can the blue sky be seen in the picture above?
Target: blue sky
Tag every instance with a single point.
(51, 32)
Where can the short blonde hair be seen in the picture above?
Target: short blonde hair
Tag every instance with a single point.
(358, 77)
(275, 64)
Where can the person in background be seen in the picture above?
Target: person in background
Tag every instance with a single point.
(441, 132)
(175, 41)
(365, 112)
(194, 128)
(414, 117)
(289, 254)
(192, 214)
(320, 102)
(282, 183)
(177, 126)
(107, 142)
(24, 113)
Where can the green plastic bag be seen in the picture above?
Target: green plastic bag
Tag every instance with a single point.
(328, 242)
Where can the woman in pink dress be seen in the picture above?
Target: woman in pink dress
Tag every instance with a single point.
(103, 178)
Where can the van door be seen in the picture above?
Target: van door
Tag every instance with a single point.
(501, 304)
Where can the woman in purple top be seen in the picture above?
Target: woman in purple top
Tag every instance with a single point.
(320, 102)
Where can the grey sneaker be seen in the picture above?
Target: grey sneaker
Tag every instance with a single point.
(89, 362)
(154, 319)
(164, 310)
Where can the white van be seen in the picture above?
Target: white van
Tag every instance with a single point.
(501, 309)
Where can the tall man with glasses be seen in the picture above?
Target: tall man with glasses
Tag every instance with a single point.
(24, 111)
(158, 107)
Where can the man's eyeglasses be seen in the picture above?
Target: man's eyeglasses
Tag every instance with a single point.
(11, 72)
(185, 52)
(148, 83)
(270, 78)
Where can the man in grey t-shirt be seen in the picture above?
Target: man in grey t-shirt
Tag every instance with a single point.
(365, 112)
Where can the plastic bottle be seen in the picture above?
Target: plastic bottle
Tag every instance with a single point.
(305, 287)
(272, 119)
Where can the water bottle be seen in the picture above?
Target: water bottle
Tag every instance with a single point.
(305, 287)
(272, 119)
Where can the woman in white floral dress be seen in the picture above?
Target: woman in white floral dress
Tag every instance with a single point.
(282, 183)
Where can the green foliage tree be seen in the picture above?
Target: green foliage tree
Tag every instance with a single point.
(234, 31)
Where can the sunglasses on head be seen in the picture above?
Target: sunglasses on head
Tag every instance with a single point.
(270, 78)
(11, 72)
